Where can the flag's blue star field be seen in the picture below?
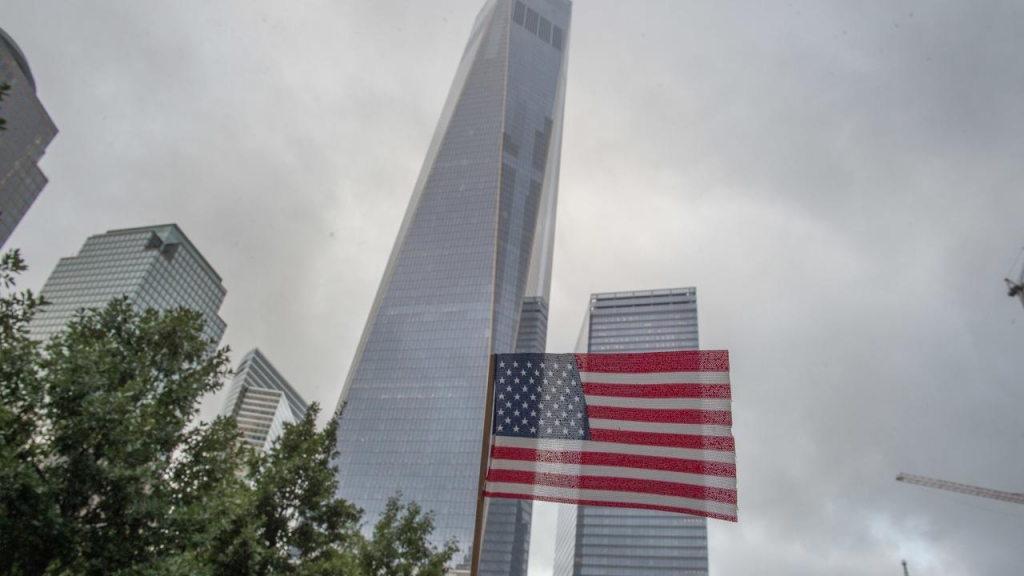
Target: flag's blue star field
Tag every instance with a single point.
(539, 396)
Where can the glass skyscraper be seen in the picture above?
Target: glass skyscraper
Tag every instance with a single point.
(29, 131)
(599, 541)
(469, 275)
(154, 266)
(261, 401)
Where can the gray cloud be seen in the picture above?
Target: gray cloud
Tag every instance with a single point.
(840, 182)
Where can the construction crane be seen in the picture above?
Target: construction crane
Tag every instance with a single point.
(1012, 497)
(1016, 289)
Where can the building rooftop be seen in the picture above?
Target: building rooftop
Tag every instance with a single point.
(295, 401)
(172, 233)
(643, 293)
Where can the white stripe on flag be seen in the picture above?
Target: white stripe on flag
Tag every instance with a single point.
(660, 403)
(611, 496)
(614, 448)
(655, 377)
(630, 426)
(615, 472)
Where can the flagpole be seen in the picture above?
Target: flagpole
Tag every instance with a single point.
(485, 449)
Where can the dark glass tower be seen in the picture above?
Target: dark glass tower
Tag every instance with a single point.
(469, 273)
(29, 131)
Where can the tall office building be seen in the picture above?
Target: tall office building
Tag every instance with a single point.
(261, 401)
(469, 272)
(29, 131)
(598, 541)
(154, 266)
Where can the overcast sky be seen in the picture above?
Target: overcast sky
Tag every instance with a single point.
(841, 181)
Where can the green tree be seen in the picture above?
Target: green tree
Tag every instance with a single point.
(400, 545)
(27, 518)
(92, 423)
(103, 470)
(289, 520)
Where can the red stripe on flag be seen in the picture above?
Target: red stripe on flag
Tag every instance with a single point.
(687, 361)
(691, 441)
(710, 391)
(612, 505)
(660, 463)
(710, 417)
(659, 487)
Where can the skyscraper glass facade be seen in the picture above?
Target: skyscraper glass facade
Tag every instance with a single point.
(261, 401)
(598, 541)
(470, 271)
(155, 267)
(29, 131)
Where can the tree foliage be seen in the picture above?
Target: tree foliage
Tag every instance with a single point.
(400, 546)
(103, 470)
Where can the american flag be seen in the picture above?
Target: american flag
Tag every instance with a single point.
(648, 430)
